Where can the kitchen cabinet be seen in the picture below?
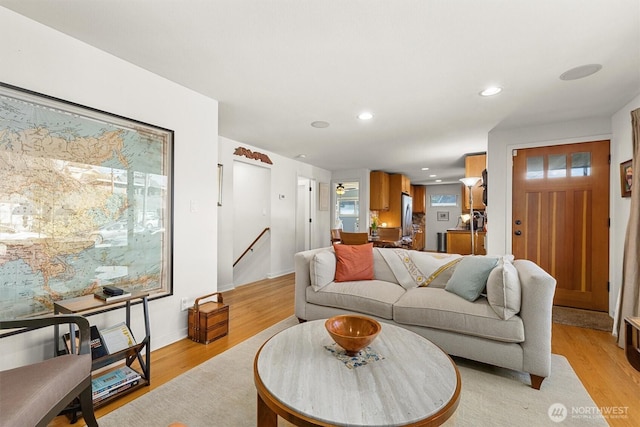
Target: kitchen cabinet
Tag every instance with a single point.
(474, 164)
(419, 197)
(393, 216)
(459, 242)
(379, 191)
(405, 183)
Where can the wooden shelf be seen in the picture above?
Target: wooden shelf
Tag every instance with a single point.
(89, 305)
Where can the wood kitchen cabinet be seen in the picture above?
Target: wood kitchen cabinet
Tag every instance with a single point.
(379, 191)
(405, 183)
(393, 216)
(459, 242)
(474, 164)
(419, 197)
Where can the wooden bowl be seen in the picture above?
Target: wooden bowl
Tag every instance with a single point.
(352, 332)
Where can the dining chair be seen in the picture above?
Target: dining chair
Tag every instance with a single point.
(348, 238)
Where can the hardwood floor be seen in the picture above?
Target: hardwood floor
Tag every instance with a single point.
(599, 363)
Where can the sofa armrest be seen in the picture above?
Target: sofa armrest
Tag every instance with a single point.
(302, 261)
(538, 288)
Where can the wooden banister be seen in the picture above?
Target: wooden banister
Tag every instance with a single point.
(251, 245)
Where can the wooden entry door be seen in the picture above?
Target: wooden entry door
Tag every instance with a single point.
(561, 218)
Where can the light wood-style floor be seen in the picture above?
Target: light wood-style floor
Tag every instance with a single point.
(598, 361)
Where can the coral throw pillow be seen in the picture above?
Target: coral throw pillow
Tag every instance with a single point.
(354, 262)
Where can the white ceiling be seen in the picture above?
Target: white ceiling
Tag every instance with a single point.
(418, 65)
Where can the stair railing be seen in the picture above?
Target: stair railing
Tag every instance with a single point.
(250, 248)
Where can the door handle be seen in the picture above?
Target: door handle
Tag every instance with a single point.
(518, 233)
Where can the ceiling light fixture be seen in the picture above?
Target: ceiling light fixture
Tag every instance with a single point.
(438, 180)
(490, 91)
(365, 115)
(320, 124)
(340, 189)
(425, 169)
(580, 72)
(432, 176)
(301, 156)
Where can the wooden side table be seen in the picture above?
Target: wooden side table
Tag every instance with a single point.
(632, 341)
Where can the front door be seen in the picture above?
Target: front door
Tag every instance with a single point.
(561, 218)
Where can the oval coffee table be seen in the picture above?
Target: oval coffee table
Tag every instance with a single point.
(414, 384)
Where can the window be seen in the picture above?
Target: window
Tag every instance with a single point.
(581, 164)
(443, 200)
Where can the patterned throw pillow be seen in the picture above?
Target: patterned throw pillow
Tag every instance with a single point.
(354, 262)
(440, 277)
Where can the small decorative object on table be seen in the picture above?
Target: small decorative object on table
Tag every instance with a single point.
(208, 321)
(352, 332)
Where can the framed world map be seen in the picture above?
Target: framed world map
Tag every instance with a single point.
(85, 201)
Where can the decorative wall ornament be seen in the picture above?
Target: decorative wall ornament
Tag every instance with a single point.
(241, 151)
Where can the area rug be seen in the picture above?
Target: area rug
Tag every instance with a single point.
(598, 320)
(221, 392)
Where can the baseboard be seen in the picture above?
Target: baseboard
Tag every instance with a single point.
(282, 273)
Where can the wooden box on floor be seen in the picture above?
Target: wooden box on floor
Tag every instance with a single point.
(208, 321)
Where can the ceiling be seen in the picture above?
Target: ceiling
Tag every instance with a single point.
(417, 65)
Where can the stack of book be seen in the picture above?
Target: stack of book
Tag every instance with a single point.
(113, 383)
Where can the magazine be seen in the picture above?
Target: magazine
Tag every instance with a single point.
(97, 349)
(117, 338)
(114, 379)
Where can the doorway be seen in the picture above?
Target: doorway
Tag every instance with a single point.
(561, 218)
(347, 207)
(251, 215)
(305, 208)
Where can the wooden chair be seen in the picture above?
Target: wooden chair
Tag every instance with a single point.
(34, 394)
(389, 237)
(335, 235)
(354, 238)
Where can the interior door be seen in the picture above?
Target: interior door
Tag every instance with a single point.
(561, 218)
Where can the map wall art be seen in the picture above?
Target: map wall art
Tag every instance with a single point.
(85, 201)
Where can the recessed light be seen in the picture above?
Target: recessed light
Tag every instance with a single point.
(425, 169)
(432, 176)
(438, 180)
(490, 91)
(580, 72)
(320, 124)
(365, 115)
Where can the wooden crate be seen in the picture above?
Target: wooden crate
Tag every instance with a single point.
(208, 321)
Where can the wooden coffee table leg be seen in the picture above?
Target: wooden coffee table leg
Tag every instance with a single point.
(266, 416)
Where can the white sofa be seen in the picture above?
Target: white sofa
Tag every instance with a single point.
(474, 330)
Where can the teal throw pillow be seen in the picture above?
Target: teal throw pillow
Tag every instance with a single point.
(470, 277)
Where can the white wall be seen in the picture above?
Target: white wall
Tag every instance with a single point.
(621, 150)
(501, 143)
(40, 59)
(284, 181)
(433, 226)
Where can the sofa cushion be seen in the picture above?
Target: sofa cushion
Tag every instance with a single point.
(373, 297)
(322, 269)
(354, 262)
(503, 289)
(470, 277)
(438, 309)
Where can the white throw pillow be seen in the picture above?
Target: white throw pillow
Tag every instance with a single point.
(323, 269)
(503, 289)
